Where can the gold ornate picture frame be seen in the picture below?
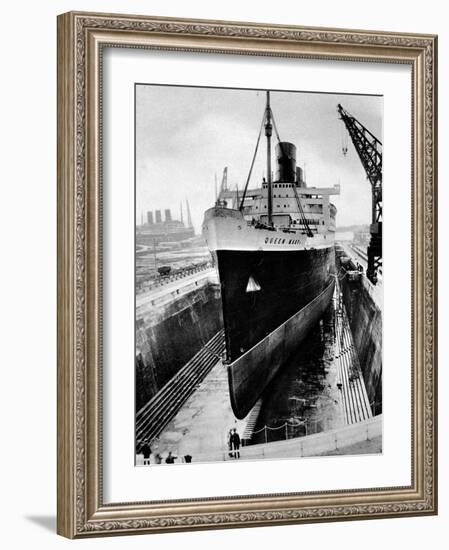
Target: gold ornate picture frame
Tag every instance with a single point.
(82, 39)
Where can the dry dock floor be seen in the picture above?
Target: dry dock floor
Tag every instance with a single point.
(203, 423)
(201, 427)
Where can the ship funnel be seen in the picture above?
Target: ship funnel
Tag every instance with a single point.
(167, 215)
(300, 177)
(285, 162)
(158, 216)
(150, 218)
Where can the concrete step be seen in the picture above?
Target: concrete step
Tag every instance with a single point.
(158, 412)
(215, 344)
(252, 420)
(355, 401)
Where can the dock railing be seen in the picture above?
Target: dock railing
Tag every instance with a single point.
(161, 280)
(289, 430)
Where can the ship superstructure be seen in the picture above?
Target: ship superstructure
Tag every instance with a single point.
(274, 249)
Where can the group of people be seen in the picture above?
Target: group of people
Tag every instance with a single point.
(145, 449)
(234, 443)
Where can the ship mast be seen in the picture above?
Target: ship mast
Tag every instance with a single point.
(268, 133)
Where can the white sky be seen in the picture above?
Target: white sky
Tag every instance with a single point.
(184, 136)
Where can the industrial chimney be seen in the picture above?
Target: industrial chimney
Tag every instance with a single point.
(158, 216)
(150, 218)
(189, 217)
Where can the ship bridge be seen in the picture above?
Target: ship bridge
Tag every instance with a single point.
(315, 202)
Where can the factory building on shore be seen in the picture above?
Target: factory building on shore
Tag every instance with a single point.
(154, 230)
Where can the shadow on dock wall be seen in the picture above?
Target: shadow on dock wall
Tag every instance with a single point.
(164, 346)
(365, 319)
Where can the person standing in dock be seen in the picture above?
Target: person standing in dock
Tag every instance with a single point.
(235, 443)
(146, 451)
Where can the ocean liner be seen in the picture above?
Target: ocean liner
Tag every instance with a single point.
(156, 231)
(274, 249)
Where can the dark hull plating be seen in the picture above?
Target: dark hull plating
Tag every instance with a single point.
(288, 281)
(251, 373)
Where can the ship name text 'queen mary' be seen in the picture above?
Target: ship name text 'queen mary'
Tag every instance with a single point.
(274, 248)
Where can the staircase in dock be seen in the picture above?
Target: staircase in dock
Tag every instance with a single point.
(157, 413)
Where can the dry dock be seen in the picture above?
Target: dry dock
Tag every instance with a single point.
(189, 412)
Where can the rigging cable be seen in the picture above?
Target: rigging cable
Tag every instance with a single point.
(252, 162)
(298, 200)
(302, 214)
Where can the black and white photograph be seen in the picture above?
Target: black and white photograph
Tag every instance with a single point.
(258, 274)
(208, 283)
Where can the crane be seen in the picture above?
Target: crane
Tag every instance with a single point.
(369, 149)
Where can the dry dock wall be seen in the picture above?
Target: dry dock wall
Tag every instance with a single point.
(168, 336)
(362, 438)
(365, 319)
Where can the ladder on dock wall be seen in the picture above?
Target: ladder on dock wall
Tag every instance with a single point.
(152, 418)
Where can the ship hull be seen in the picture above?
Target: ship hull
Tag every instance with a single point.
(260, 290)
(275, 285)
(251, 373)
